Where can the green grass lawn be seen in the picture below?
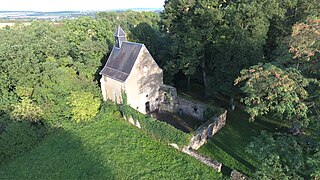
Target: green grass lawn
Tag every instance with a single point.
(105, 149)
(228, 145)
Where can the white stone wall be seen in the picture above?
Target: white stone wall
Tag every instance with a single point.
(111, 89)
(143, 83)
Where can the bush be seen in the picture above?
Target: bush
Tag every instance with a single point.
(84, 106)
(160, 130)
(26, 110)
(18, 137)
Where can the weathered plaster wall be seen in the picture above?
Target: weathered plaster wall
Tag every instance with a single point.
(111, 89)
(144, 82)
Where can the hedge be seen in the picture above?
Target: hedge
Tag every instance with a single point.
(158, 129)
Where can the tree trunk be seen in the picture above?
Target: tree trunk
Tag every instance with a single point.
(204, 76)
(232, 104)
(189, 83)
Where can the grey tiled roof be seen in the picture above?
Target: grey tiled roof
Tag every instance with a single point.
(121, 61)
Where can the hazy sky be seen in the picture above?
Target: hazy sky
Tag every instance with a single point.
(61, 5)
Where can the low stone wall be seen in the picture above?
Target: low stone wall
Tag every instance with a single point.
(207, 161)
(236, 175)
(191, 108)
(207, 130)
(132, 121)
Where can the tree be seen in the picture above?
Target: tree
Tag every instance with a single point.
(279, 156)
(214, 40)
(314, 162)
(272, 89)
(305, 46)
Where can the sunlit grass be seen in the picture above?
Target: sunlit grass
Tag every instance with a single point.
(228, 145)
(108, 148)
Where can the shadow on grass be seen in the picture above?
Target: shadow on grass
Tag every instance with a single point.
(230, 151)
(184, 123)
(61, 155)
(228, 145)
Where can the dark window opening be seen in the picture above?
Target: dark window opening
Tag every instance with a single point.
(147, 107)
(195, 109)
(180, 111)
(147, 95)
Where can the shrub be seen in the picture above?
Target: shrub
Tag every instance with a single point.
(84, 106)
(26, 110)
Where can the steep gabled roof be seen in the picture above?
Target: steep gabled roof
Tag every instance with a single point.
(119, 32)
(121, 61)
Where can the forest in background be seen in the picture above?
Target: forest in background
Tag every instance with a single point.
(265, 54)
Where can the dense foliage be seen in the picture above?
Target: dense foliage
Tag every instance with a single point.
(266, 52)
(84, 106)
(49, 73)
(268, 49)
(272, 89)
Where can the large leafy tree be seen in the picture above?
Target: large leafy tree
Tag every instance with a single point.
(285, 88)
(279, 156)
(289, 87)
(214, 40)
(272, 89)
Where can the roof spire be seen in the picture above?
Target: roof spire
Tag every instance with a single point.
(120, 36)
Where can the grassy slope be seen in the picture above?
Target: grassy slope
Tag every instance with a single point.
(228, 145)
(105, 149)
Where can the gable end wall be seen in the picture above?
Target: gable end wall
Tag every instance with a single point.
(144, 82)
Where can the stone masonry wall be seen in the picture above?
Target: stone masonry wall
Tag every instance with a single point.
(206, 131)
(171, 102)
(207, 161)
(191, 108)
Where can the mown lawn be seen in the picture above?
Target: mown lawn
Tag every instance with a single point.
(108, 148)
(228, 145)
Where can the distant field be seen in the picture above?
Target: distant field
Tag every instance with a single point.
(11, 24)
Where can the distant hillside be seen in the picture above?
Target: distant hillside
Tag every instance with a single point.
(57, 15)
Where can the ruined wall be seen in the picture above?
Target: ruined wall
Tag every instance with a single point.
(171, 102)
(186, 149)
(194, 109)
(207, 161)
(168, 99)
(207, 130)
